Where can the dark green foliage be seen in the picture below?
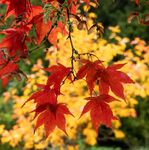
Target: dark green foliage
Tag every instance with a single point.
(112, 13)
(6, 113)
(137, 129)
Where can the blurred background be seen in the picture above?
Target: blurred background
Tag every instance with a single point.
(120, 43)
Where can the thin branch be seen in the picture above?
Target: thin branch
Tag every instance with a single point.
(71, 43)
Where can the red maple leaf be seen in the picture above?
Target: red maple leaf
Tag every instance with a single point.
(8, 67)
(15, 41)
(7, 71)
(100, 111)
(46, 95)
(36, 10)
(51, 116)
(58, 73)
(73, 6)
(137, 2)
(111, 78)
(17, 7)
(53, 34)
(42, 27)
(90, 71)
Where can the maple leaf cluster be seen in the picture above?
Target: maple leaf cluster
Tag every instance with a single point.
(13, 47)
(51, 113)
(109, 78)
